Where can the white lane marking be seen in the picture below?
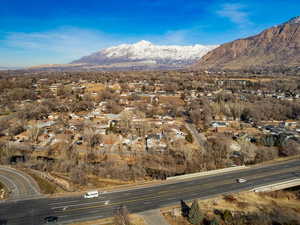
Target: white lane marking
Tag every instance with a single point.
(90, 217)
(126, 194)
(196, 194)
(23, 176)
(145, 203)
(56, 203)
(88, 203)
(13, 184)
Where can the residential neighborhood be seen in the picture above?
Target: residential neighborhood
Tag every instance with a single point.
(140, 123)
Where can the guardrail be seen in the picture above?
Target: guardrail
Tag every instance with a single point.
(207, 173)
(278, 186)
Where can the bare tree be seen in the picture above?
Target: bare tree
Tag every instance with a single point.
(78, 176)
(122, 216)
(34, 133)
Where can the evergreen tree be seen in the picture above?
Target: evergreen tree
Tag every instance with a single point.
(214, 221)
(189, 137)
(227, 217)
(195, 215)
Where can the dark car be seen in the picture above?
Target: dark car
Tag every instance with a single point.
(51, 219)
(3, 222)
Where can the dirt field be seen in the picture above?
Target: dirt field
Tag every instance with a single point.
(135, 220)
(277, 205)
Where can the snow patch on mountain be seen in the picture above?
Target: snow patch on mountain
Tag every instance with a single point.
(145, 50)
(294, 20)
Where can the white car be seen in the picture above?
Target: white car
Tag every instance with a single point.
(241, 180)
(91, 194)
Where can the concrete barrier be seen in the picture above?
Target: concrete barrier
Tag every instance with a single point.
(278, 186)
(207, 173)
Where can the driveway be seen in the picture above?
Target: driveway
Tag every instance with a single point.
(200, 139)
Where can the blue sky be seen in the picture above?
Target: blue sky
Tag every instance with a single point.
(36, 32)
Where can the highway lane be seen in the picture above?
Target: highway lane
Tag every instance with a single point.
(147, 203)
(18, 183)
(137, 200)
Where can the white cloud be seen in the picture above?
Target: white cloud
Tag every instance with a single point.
(236, 13)
(78, 42)
(189, 36)
(66, 44)
(176, 37)
(69, 42)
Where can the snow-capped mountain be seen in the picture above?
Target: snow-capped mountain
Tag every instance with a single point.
(146, 53)
(294, 20)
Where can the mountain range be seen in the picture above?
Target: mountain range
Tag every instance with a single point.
(278, 46)
(9, 68)
(145, 51)
(140, 55)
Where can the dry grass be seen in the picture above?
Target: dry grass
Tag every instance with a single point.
(245, 203)
(107, 221)
(172, 220)
(253, 202)
(98, 182)
(3, 192)
(280, 159)
(92, 87)
(230, 198)
(45, 186)
(174, 100)
(135, 220)
(94, 182)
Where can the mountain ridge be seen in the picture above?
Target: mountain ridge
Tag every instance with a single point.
(144, 50)
(278, 46)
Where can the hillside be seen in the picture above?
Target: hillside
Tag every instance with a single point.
(278, 46)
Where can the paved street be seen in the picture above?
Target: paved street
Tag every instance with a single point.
(200, 139)
(138, 200)
(20, 184)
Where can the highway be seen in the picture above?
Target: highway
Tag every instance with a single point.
(76, 208)
(20, 184)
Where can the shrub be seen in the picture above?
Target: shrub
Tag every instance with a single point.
(242, 205)
(214, 221)
(195, 215)
(189, 137)
(227, 217)
(229, 198)
(122, 216)
(15, 130)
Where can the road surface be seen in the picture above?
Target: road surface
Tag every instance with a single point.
(76, 208)
(18, 183)
(200, 139)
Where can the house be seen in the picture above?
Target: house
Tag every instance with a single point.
(154, 141)
(178, 133)
(219, 124)
(289, 124)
